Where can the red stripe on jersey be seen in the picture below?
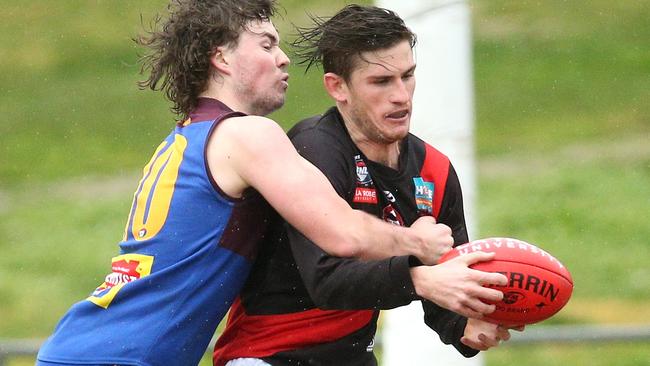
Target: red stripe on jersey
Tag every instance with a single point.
(265, 335)
(435, 169)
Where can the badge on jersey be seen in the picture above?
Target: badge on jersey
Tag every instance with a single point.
(125, 268)
(390, 214)
(365, 191)
(363, 176)
(423, 196)
(365, 195)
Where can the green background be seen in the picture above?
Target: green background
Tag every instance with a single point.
(562, 130)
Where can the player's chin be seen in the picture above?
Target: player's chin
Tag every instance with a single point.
(400, 130)
(398, 134)
(279, 103)
(272, 105)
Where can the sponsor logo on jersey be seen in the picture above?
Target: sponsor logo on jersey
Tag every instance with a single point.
(365, 191)
(365, 195)
(363, 176)
(423, 196)
(125, 268)
(391, 215)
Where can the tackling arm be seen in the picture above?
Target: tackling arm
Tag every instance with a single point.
(254, 151)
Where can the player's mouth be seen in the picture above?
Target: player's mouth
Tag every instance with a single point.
(284, 80)
(398, 116)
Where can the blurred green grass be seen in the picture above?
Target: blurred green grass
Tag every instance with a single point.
(603, 354)
(553, 72)
(70, 101)
(563, 137)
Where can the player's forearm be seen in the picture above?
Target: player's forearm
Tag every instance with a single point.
(361, 284)
(370, 238)
(376, 239)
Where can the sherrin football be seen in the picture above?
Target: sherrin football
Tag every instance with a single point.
(538, 284)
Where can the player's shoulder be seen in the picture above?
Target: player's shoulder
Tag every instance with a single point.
(307, 125)
(250, 128)
(323, 139)
(425, 149)
(250, 120)
(323, 128)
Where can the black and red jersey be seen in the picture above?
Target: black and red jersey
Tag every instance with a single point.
(301, 306)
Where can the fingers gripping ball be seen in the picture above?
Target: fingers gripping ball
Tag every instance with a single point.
(538, 284)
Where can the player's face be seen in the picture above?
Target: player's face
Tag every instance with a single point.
(380, 93)
(260, 69)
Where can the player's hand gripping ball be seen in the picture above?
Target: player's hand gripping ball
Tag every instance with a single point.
(538, 284)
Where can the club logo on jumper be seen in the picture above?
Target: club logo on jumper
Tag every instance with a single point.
(363, 177)
(423, 196)
(365, 191)
(389, 196)
(391, 215)
(125, 268)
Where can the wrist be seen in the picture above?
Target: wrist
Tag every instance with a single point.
(416, 278)
(412, 243)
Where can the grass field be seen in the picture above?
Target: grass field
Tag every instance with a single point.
(563, 143)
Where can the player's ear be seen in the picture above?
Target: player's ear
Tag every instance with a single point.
(336, 87)
(220, 60)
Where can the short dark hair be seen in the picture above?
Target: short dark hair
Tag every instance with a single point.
(178, 58)
(337, 42)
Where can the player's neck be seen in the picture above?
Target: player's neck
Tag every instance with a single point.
(226, 96)
(375, 148)
(386, 154)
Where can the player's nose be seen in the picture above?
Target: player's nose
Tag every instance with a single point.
(282, 59)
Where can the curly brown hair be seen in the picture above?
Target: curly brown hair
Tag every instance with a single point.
(339, 41)
(178, 58)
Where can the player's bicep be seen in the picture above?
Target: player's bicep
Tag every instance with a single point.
(295, 188)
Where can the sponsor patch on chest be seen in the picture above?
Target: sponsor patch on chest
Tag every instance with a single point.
(423, 196)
